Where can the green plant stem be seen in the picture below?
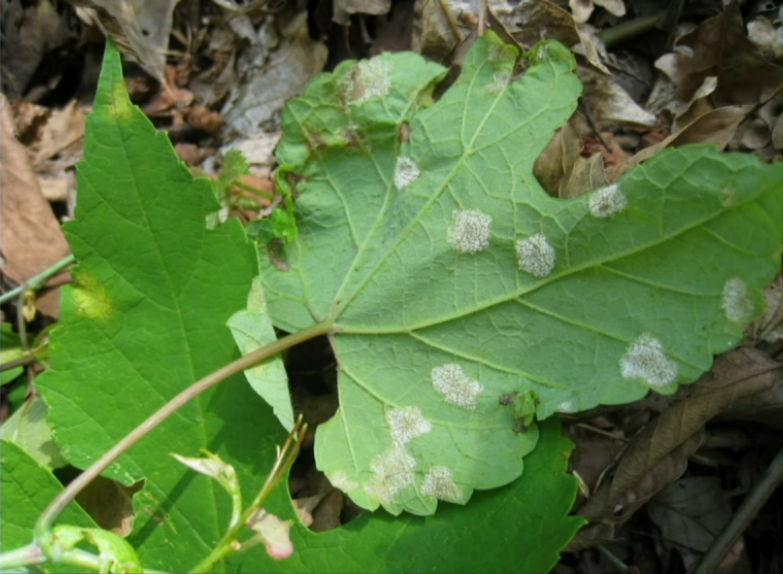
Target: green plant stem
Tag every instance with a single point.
(630, 29)
(32, 555)
(227, 544)
(38, 280)
(255, 191)
(22, 361)
(745, 514)
(49, 515)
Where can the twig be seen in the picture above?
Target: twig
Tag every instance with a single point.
(20, 362)
(745, 514)
(38, 280)
(49, 515)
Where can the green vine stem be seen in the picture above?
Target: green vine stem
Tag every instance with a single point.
(33, 555)
(46, 520)
(38, 280)
(229, 545)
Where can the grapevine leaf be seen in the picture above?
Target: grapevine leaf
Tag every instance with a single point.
(28, 487)
(519, 528)
(451, 280)
(146, 318)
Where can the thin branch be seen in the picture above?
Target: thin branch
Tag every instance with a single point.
(38, 280)
(50, 514)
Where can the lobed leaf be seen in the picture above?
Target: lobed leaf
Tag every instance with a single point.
(452, 280)
(147, 318)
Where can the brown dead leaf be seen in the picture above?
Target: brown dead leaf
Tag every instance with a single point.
(609, 103)
(203, 119)
(658, 455)
(561, 169)
(343, 9)
(31, 236)
(716, 127)
(607, 146)
(63, 128)
(716, 61)
(110, 504)
(139, 27)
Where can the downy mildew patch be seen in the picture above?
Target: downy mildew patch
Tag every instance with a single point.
(535, 255)
(607, 202)
(371, 79)
(438, 482)
(406, 424)
(645, 359)
(405, 172)
(341, 481)
(392, 471)
(469, 230)
(500, 81)
(455, 387)
(737, 303)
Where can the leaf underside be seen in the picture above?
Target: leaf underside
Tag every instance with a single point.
(452, 279)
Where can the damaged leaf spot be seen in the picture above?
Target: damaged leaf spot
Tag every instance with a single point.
(607, 202)
(535, 255)
(391, 472)
(92, 300)
(405, 172)
(500, 81)
(371, 79)
(406, 424)
(469, 231)
(438, 482)
(737, 303)
(455, 386)
(341, 481)
(645, 359)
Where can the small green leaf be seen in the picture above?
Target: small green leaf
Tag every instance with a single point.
(252, 329)
(28, 428)
(452, 279)
(10, 349)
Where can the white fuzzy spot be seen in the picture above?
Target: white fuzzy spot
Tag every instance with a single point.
(373, 80)
(469, 230)
(439, 483)
(645, 359)
(391, 472)
(455, 386)
(736, 303)
(405, 172)
(728, 197)
(500, 81)
(535, 255)
(565, 407)
(406, 424)
(341, 481)
(607, 201)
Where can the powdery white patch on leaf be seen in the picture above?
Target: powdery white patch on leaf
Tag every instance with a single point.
(274, 532)
(341, 481)
(607, 201)
(373, 80)
(469, 231)
(500, 81)
(406, 424)
(645, 359)
(535, 255)
(737, 303)
(391, 472)
(405, 172)
(438, 482)
(565, 407)
(455, 386)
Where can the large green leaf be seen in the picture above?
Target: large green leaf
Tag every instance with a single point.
(146, 319)
(519, 528)
(28, 487)
(451, 279)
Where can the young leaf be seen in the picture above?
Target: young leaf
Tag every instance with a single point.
(147, 316)
(451, 279)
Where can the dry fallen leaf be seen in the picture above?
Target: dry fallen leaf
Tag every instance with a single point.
(30, 234)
